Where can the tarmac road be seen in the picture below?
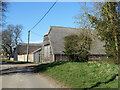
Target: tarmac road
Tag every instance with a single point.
(20, 76)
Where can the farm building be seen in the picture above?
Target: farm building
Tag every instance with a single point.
(20, 51)
(53, 45)
(37, 55)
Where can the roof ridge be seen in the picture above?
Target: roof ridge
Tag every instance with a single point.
(68, 27)
(63, 27)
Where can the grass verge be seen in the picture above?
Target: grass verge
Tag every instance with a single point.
(14, 62)
(82, 75)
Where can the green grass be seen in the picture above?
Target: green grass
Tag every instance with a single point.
(81, 75)
(110, 60)
(14, 62)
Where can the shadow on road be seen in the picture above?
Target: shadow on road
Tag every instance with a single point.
(45, 66)
(4, 63)
(14, 63)
(29, 69)
(17, 69)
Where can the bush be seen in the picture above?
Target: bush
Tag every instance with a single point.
(110, 60)
(77, 47)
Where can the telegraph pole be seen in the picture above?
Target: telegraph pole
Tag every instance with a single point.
(28, 45)
(35, 26)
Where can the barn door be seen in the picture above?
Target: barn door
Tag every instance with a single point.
(39, 58)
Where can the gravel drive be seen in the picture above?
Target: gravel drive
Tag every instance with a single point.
(20, 76)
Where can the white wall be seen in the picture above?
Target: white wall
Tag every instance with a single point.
(24, 57)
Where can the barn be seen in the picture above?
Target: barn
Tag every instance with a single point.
(20, 51)
(37, 55)
(53, 44)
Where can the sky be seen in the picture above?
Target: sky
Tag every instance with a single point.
(29, 13)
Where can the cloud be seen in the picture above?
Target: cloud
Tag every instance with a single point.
(35, 42)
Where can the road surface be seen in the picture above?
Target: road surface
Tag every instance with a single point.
(20, 76)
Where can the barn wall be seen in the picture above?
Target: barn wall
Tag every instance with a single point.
(47, 54)
(38, 56)
(60, 57)
(24, 58)
(96, 57)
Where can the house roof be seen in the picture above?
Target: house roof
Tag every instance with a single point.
(22, 48)
(39, 49)
(57, 34)
(97, 47)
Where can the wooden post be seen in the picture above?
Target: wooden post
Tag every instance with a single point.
(28, 45)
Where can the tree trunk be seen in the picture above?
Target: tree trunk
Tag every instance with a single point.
(117, 46)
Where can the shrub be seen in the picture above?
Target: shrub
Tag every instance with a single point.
(77, 47)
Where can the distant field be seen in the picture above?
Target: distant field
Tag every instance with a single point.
(82, 75)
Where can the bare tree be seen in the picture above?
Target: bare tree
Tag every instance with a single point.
(104, 17)
(3, 9)
(17, 34)
(10, 37)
